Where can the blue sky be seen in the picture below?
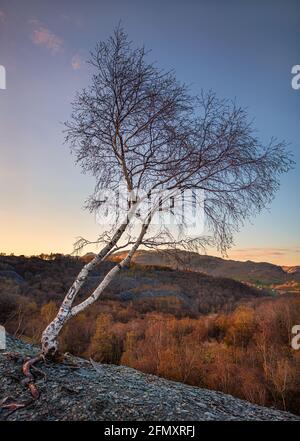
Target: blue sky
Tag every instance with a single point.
(241, 49)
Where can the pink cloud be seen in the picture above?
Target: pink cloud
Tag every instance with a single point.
(44, 37)
(76, 62)
(279, 256)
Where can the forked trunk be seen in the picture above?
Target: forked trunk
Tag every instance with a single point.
(66, 311)
(50, 335)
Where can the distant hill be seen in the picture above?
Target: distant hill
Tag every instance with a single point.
(153, 277)
(145, 287)
(186, 282)
(253, 272)
(80, 390)
(294, 270)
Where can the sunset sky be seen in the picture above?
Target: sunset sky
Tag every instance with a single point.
(242, 50)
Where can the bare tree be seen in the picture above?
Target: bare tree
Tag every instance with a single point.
(138, 126)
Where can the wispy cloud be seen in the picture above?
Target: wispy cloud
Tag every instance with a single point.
(2, 16)
(275, 255)
(43, 36)
(76, 62)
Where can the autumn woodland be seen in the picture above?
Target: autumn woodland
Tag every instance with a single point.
(219, 333)
(180, 157)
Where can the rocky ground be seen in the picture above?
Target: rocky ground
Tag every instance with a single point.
(77, 389)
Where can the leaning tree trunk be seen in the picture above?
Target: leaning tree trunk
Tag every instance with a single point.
(109, 277)
(66, 311)
(49, 338)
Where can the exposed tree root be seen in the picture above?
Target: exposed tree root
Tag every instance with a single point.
(8, 403)
(12, 355)
(28, 367)
(31, 380)
(13, 406)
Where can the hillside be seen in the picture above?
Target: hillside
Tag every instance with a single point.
(78, 390)
(154, 287)
(253, 272)
(211, 332)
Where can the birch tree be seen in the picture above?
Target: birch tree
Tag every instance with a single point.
(139, 126)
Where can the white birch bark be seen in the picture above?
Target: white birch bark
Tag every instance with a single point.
(49, 337)
(109, 276)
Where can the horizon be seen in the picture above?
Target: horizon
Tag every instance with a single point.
(142, 249)
(245, 51)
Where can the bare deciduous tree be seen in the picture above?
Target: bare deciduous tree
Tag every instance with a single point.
(137, 125)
